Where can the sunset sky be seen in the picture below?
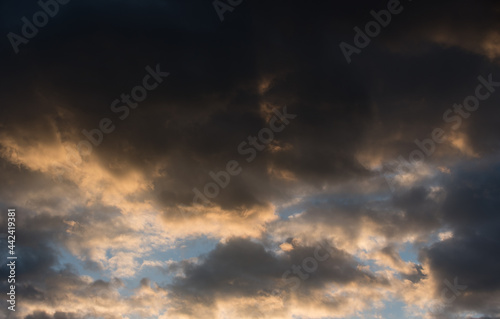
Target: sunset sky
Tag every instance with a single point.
(247, 159)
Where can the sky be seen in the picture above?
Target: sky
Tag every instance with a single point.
(250, 159)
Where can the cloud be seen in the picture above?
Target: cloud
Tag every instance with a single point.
(242, 274)
(322, 178)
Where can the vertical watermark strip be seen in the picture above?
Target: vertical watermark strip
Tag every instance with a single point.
(11, 258)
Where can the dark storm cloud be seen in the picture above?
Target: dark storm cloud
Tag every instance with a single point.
(407, 211)
(35, 238)
(242, 268)
(18, 180)
(40, 277)
(42, 281)
(435, 67)
(471, 255)
(194, 122)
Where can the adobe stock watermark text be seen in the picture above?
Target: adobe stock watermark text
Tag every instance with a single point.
(11, 258)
